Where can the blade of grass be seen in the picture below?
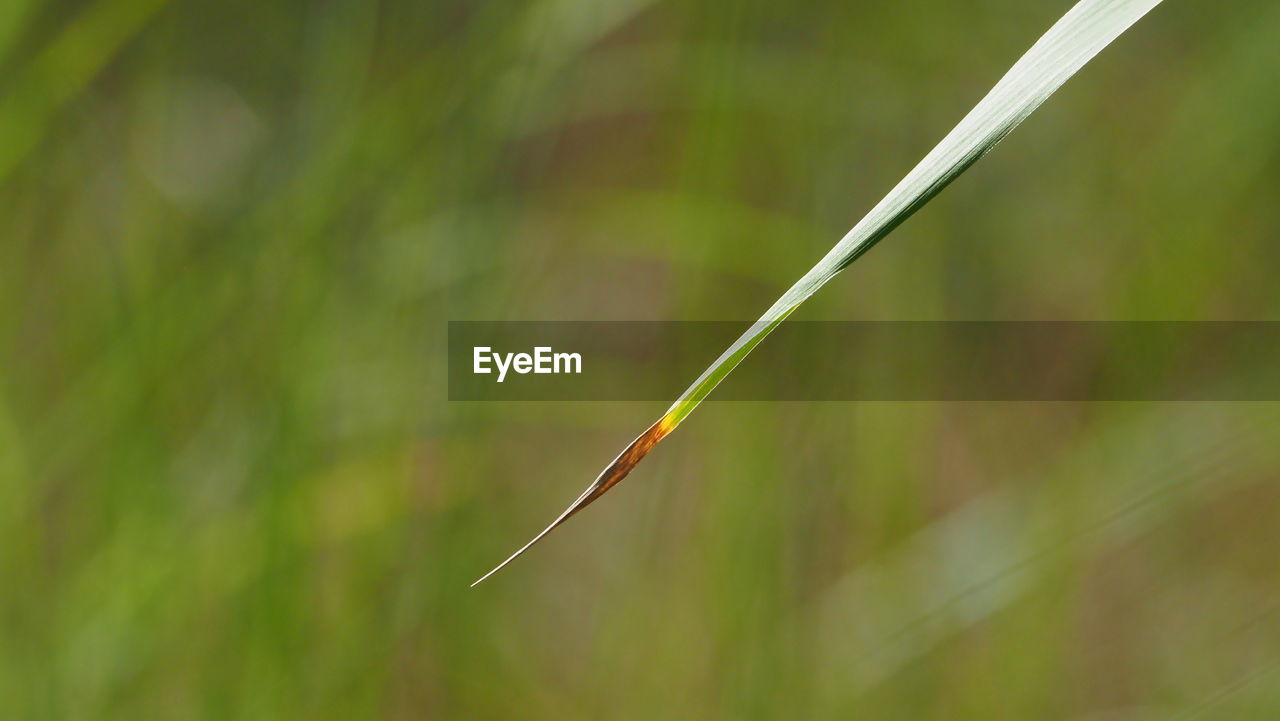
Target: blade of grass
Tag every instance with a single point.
(1078, 36)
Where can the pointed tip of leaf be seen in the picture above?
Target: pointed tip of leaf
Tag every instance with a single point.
(608, 478)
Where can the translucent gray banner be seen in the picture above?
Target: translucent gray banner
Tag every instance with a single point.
(869, 361)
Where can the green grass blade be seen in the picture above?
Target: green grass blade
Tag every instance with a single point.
(1081, 34)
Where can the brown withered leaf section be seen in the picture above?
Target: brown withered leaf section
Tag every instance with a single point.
(608, 478)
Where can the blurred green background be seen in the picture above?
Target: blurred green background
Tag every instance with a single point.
(231, 485)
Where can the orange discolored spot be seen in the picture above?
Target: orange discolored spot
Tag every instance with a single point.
(622, 465)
